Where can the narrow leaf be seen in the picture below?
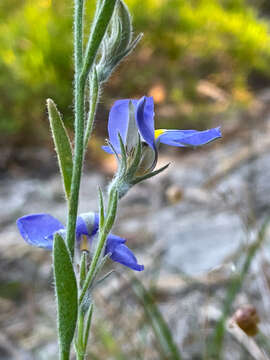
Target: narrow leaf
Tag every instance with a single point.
(83, 267)
(62, 145)
(66, 293)
(161, 329)
(93, 101)
(88, 324)
(215, 343)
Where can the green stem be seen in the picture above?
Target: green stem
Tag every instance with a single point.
(80, 357)
(94, 263)
(77, 165)
(80, 350)
(79, 125)
(64, 355)
(103, 233)
(78, 34)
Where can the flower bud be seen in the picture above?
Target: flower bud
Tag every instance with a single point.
(247, 319)
(117, 42)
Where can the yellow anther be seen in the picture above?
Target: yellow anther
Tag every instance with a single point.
(159, 132)
(84, 245)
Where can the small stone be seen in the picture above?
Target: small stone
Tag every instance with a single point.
(174, 194)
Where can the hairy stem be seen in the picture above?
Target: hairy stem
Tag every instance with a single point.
(103, 233)
(79, 125)
(80, 349)
(64, 355)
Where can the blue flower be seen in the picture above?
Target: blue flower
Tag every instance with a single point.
(39, 229)
(121, 122)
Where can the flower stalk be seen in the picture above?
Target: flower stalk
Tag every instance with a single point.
(132, 139)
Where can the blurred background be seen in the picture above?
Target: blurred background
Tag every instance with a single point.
(206, 63)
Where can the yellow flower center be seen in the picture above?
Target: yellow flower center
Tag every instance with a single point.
(159, 132)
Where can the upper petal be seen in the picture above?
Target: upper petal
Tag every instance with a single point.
(145, 120)
(118, 122)
(189, 137)
(87, 224)
(38, 229)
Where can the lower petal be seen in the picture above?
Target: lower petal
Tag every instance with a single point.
(112, 242)
(123, 255)
(189, 137)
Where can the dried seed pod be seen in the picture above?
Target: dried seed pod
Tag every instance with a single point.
(246, 317)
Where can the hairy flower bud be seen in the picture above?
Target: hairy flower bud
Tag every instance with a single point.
(117, 42)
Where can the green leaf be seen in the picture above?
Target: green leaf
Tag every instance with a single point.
(215, 342)
(160, 327)
(66, 293)
(62, 145)
(88, 324)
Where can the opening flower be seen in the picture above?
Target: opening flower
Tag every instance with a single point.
(39, 229)
(130, 118)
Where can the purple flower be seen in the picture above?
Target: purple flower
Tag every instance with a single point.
(120, 122)
(39, 229)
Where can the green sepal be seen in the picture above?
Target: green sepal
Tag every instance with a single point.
(66, 293)
(101, 208)
(62, 145)
(136, 160)
(126, 24)
(149, 175)
(123, 165)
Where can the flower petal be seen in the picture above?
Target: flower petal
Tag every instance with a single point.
(118, 122)
(112, 242)
(38, 229)
(87, 224)
(145, 120)
(121, 253)
(189, 137)
(107, 149)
